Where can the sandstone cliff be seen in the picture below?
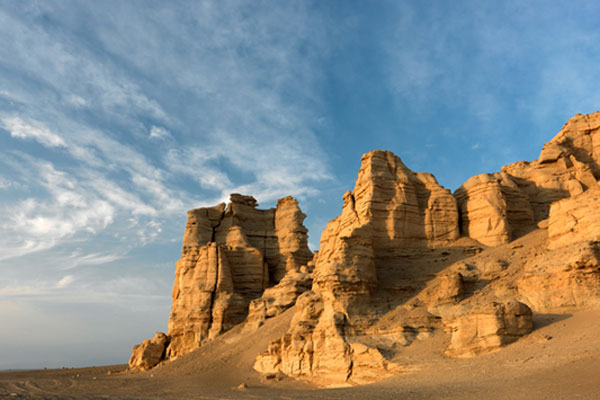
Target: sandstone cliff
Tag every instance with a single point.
(232, 254)
(390, 208)
(497, 208)
(406, 265)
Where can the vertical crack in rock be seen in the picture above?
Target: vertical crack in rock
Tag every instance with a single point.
(215, 227)
(213, 293)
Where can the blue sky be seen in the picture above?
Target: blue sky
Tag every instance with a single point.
(118, 116)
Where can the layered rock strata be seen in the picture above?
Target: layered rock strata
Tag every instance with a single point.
(390, 208)
(231, 254)
(575, 219)
(392, 270)
(563, 279)
(496, 208)
(493, 209)
(488, 327)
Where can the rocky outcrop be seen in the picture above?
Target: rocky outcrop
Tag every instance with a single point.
(493, 209)
(390, 208)
(497, 208)
(316, 348)
(278, 298)
(148, 353)
(575, 219)
(485, 328)
(392, 270)
(567, 165)
(562, 279)
(231, 255)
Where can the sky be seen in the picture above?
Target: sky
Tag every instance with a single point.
(116, 117)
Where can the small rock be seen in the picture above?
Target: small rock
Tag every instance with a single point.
(242, 386)
(269, 377)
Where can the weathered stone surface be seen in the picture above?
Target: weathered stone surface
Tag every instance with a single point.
(497, 208)
(567, 165)
(231, 254)
(278, 298)
(493, 209)
(575, 219)
(316, 348)
(392, 272)
(390, 207)
(148, 353)
(486, 328)
(562, 279)
(449, 289)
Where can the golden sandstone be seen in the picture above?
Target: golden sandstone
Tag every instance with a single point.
(405, 262)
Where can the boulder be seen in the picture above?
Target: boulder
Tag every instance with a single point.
(488, 327)
(148, 353)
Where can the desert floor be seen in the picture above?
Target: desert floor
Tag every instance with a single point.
(559, 360)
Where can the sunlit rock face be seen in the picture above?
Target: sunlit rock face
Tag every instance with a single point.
(231, 254)
(148, 353)
(406, 263)
(497, 208)
(390, 208)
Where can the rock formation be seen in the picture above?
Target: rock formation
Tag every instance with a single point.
(393, 270)
(563, 279)
(390, 208)
(496, 208)
(575, 219)
(489, 327)
(148, 353)
(231, 255)
(278, 298)
(493, 209)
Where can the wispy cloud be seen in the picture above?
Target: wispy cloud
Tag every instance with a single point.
(32, 130)
(134, 135)
(159, 133)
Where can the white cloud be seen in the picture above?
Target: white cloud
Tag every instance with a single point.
(65, 281)
(159, 133)
(7, 184)
(32, 130)
(105, 102)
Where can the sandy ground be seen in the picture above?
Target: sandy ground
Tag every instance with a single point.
(559, 360)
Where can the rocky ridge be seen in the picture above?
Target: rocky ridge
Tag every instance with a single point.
(405, 263)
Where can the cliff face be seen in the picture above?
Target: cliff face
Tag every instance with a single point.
(405, 261)
(390, 208)
(339, 335)
(496, 208)
(231, 254)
